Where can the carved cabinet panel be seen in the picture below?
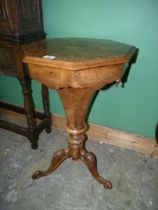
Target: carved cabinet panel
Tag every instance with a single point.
(30, 16)
(21, 20)
(3, 10)
(7, 17)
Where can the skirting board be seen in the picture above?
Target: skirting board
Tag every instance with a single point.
(115, 137)
(103, 134)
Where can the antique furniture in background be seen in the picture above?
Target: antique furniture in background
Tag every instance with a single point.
(77, 69)
(21, 22)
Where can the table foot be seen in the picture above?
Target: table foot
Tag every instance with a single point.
(34, 145)
(48, 130)
(58, 157)
(91, 162)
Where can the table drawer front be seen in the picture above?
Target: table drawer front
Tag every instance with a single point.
(7, 57)
(94, 78)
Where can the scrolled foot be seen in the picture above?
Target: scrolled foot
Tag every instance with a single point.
(108, 185)
(58, 157)
(91, 162)
(38, 174)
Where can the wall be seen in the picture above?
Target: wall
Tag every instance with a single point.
(133, 108)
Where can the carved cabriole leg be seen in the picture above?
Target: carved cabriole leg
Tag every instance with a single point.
(45, 97)
(90, 161)
(31, 121)
(75, 102)
(58, 157)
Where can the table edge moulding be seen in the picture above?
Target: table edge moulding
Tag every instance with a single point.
(79, 67)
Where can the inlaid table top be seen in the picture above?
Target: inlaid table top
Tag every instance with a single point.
(78, 53)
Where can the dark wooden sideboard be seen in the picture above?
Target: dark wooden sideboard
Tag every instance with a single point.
(21, 23)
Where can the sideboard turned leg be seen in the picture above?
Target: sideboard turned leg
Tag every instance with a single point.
(46, 107)
(31, 121)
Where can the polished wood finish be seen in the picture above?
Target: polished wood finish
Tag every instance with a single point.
(74, 53)
(80, 67)
(21, 22)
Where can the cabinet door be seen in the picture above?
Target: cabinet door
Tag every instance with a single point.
(30, 16)
(3, 15)
(21, 20)
(8, 17)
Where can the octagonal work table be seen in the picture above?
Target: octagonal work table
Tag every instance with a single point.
(76, 68)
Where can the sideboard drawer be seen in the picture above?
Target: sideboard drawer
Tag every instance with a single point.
(7, 57)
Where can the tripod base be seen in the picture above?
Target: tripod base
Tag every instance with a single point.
(87, 157)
